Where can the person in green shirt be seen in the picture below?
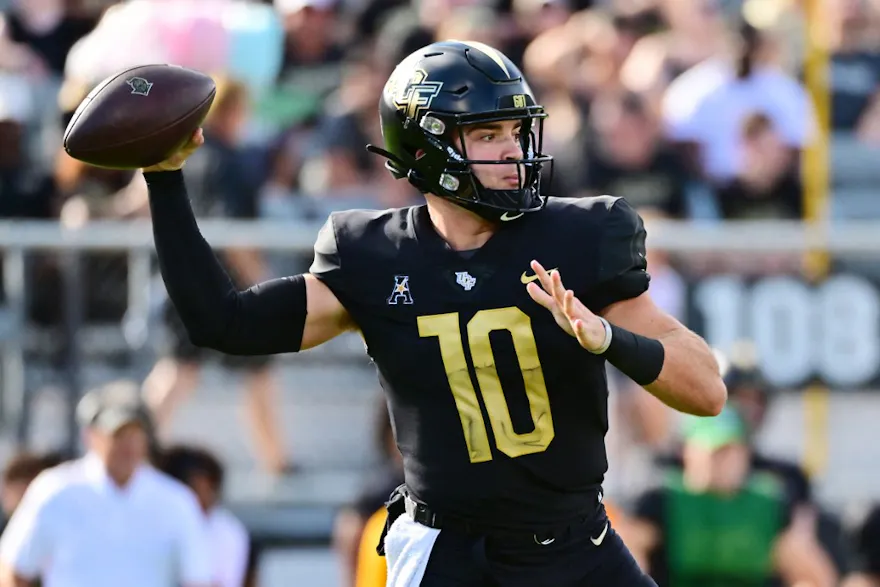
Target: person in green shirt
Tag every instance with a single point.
(717, 522)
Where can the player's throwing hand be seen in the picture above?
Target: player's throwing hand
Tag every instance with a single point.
(574, 317)
(177, 160)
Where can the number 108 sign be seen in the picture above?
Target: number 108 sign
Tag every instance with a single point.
(801, 332)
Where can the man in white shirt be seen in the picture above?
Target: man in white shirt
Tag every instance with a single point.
(708, 104)
(230, 543)
(108, 519)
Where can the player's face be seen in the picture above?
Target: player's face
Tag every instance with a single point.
(495, 141)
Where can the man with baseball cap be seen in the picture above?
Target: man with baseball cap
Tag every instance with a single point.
(719, 522)
(108, 518)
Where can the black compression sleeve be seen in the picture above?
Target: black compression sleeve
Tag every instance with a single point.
(638, 357)
(265, 319)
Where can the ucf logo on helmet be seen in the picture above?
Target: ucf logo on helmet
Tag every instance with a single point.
(415, 94)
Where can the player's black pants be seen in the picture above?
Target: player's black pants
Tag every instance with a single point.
(584, 555)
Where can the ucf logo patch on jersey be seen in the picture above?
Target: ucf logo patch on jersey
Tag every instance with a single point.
(465, 280)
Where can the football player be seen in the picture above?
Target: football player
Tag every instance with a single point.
(490, 313)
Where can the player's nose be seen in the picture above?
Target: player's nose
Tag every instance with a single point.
(512, 150)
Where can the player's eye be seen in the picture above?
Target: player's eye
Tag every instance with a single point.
(487, 138)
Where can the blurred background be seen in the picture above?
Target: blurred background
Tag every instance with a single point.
(747, 132)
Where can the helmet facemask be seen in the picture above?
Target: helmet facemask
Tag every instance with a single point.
(503, 204)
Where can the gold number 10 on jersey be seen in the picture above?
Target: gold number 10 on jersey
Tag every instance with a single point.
(446, 328)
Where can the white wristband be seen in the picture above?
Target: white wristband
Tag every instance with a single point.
(607, 342)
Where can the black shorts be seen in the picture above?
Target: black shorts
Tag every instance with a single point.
(184, 351)
(588, 553)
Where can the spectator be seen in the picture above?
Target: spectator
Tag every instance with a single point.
(202, 472)
(854, 69)
(478, 24)
(20, 471)
(36, 35)
(25, 192)
(704, 109)
(222, 187)
(671, 37)
(628, 157)
(311, 67)
(109, 518)
(719, 522)
(83, 193)
(766, 185)
(353, 521)
(342, 173)
(752, 396)
(371, 570)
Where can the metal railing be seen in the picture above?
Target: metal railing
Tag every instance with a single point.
(20, 238)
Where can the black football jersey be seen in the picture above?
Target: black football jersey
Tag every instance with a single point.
(499, 414)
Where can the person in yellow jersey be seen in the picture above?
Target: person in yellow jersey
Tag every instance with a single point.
(371, 570)
(352, 521)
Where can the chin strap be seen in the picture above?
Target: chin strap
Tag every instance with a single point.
(392, 158)
(396, 166)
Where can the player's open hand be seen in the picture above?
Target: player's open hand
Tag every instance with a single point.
(574, 317)
(177, 160)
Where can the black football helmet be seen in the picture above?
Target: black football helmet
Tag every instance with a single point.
(433, 94)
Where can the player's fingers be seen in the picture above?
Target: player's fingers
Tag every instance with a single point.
(568, 305)
(578, 327)
(543, 276)
(196, 140)
(540, 296)
(579, 309)
(558, 290)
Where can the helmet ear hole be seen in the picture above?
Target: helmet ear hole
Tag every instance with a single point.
(419, 154)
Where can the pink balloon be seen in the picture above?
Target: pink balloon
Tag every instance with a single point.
(192, 33)
(198, 42)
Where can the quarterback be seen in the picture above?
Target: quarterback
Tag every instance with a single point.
(490, 313)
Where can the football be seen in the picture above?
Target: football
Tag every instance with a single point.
(139, 117)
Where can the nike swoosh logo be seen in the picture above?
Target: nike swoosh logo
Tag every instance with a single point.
(530, 278)
(506, 217)
(598, 541)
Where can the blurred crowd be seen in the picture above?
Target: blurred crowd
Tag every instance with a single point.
(51, 534)
(694, 108)
(691, 109)
(717, 511)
